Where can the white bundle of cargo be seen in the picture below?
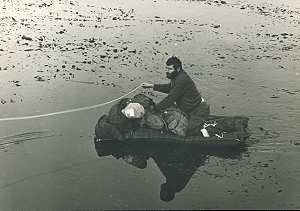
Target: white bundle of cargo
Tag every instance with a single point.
(134, 111)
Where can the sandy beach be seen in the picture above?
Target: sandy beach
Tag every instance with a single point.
(59, 55)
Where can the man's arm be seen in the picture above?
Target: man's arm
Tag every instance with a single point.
(165, 88)
(174, 94)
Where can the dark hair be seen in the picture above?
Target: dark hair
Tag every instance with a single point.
(174, 61)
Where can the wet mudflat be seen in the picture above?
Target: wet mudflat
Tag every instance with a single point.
(59, 55)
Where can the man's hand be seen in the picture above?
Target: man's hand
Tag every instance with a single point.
(147, 85)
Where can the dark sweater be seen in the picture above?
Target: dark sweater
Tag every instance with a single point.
(181, 90)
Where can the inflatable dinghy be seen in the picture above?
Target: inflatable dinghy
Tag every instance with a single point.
(169, 151)
(147, 135)
(220, 130)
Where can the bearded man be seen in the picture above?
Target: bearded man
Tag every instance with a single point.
(182, 92)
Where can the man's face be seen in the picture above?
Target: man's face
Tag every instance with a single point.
(170, 68)
(170, 71)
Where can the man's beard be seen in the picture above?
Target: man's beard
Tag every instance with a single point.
(171, 75)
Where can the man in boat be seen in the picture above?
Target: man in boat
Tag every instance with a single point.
(183, 92)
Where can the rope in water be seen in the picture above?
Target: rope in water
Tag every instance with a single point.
(70, 110)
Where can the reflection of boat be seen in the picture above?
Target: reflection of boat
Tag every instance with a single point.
(177, 163)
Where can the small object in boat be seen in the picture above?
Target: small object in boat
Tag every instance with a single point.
(204, 133)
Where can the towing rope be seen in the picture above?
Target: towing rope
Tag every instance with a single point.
(70, 110)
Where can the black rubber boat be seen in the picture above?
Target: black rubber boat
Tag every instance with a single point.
(238, 124)
(154, 147)
(146, 135)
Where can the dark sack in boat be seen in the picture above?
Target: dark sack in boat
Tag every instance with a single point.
(176, 121)
(117, 118)
(105, 130)
(142, 99)
(153, 121)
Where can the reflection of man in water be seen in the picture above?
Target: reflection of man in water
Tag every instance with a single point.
(182, 91)
(177, 171)
(177, 166)
(177, 163)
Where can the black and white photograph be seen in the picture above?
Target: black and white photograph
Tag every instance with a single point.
(149, 105)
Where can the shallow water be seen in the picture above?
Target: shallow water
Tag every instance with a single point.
(59, 55)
